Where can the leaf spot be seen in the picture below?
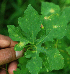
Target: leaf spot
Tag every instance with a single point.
(52, 11)
(55, 26)
(21, 44)
(47, 18)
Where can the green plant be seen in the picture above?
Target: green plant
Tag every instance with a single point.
(43, 36)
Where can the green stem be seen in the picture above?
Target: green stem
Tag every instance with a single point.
(56, 44)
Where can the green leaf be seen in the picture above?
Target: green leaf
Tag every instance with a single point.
(68, 31)
(45, 63)
(66, 13)
(43, 39)
(22, 66)
(15, 33)
(55, 59)
(17, 71)
(66, 58)
(49, 8)
(37, 29)
(55, 26)
(41, 49)
(41, 33)
(29, 54)
(22, 60)
(67, 2)
(68, 50)
(40, 40)
(34, 65)
(20, 45)
(30, 23)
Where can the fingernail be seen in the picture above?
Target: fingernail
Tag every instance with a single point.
(19, 54)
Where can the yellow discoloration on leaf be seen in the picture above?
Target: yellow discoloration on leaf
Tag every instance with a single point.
(16, 35)
(15, 48)
(55, 56)
(55, 26)
(46, 17)
(21, 44)
(47, 70)
(52, 11)
(57, 14)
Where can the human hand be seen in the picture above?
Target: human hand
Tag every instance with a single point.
(7, 54)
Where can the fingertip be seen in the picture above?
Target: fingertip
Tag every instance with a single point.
(12, 67)
(3, 71)
(13, 43)
(4, 41)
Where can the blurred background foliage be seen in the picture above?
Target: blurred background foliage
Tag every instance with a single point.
(11, 10)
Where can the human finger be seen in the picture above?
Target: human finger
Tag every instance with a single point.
(3, 71)
(9, 54)
(4, 41)
(13, 43)
(12, 67)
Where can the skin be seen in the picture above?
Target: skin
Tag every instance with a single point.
(7, 42)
